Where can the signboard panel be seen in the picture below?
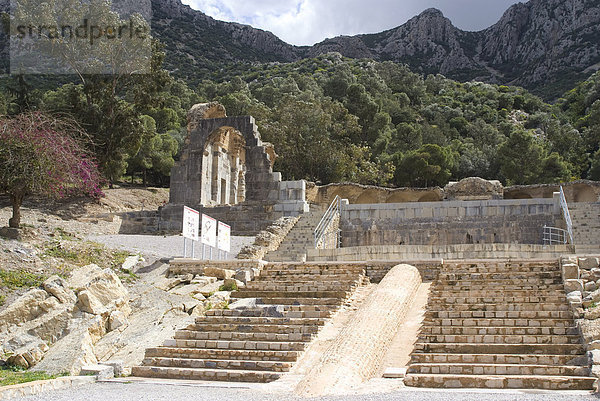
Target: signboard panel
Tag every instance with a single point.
(191, 224)
(224, 237)
(209, 231)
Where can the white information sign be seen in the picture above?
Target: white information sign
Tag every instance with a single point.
(191, 224)
(209, 231)
(224, 237)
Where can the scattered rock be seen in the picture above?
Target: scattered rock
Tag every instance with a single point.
(59, 288)
(244, 276)
(210, 289)
(117, 320)
(11, 233)
(588, 263)
(117, 365)
(574, 285)
(131, 263)
(102, 372)
(222, 274)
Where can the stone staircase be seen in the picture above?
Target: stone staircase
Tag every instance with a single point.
(586, 227)
(260, 342)
(499, 325)
(299, 239)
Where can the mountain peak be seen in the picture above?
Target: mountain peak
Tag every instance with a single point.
(432, 12)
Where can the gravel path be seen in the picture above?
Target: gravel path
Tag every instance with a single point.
(154, 392)
(163, 247)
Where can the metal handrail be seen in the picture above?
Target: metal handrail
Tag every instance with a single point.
(335, 209)
(567, 214)
(555, 236)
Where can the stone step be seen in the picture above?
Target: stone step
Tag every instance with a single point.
(242, 336)
(536, 314)
(498, 382)
(445, 277)
(205, 374)
(499, 369)
(495, 293)
(220, 364)
(227, 354)
(295, 294)
(320, 271)
(267, 276)
(498, 322)
(501, 331)
(499, 339)
(289, 311)
(513, 359)
(496, 288)
(439, 306)
(260, 320)
(257, 328)
(241, 345)
(491, 299)
(466, 348)
(290, 286)
(297, 301)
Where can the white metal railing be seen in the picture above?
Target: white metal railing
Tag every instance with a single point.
(567, 215)
(555, 236)
(330, 215)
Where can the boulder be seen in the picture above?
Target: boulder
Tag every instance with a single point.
(591, 286)
(570, 271)
(219, 298)
(574, 285)
(131, 263)
(81, 277)
(117, 365)
(102, 372)
(103, 293)
(588, 263)
(58, 287)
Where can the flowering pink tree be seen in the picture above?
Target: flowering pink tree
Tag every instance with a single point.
(41, 154)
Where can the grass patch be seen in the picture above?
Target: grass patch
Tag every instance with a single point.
(11, 375)
(229, 287)
(2, 299)
(15, 279)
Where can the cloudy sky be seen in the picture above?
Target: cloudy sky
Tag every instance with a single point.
(305, 22)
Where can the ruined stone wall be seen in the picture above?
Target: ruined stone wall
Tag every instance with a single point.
(448, 223)
(578, 191)
(364, 194)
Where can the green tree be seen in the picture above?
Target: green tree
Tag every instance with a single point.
(521, 158)
(431, 165)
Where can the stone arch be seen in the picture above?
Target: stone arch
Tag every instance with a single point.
(399, 197)
(584, 193)
(223, 168)
(430, 197)
(367, 197)
(519, 195)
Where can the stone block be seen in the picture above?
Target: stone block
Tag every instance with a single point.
(117, 365)
(222, 274)
(570, 271)
(591, 286)
(574, 285)
(58, 287)
(102, 372)
(244, 276)
(588, 263)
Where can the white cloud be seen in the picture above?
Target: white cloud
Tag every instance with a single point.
(305, 22)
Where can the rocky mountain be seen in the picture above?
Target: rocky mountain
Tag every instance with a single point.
(543, 45)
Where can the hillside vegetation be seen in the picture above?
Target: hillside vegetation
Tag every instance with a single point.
(335, 119)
